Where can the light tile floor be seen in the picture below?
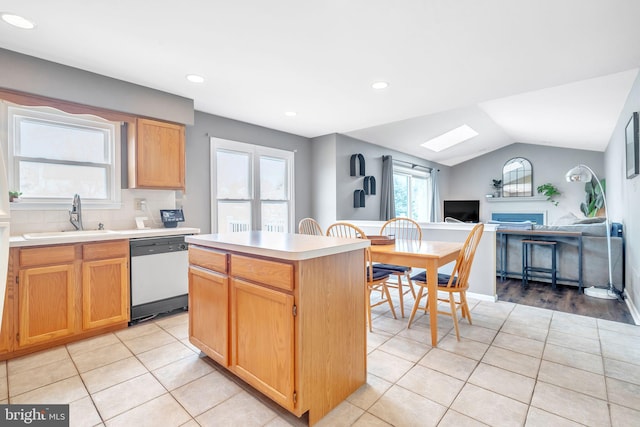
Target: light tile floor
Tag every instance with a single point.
(517, 365)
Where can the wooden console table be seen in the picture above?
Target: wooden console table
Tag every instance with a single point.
(503, 235)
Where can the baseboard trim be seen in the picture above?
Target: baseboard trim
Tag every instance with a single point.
(483, 297)
(632, 308)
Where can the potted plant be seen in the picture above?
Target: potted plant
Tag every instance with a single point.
(497, 186)
(14, 196)
(550, 191)
(594, 200)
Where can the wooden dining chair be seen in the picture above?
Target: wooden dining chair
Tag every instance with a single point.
(405, 229)
(376, 278)
(310, 226)
(456, 283)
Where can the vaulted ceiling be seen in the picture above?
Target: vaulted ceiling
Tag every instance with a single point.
(543, 72)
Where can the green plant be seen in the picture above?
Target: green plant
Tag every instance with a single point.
(497, 184)
(550, 191)
(594, 197)
(14, 195)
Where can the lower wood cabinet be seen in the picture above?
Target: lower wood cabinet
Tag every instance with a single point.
(105, 292)
(209, 313)
(262, 340)
(56, 294)
(293, 330)
(46, 308)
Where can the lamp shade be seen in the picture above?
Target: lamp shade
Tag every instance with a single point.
(579, 173)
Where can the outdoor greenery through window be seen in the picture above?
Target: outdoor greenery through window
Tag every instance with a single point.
(54, 155)
(412, 192)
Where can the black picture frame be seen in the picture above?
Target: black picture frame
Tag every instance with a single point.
(631, 142)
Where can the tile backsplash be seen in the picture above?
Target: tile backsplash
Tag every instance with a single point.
(31, 221)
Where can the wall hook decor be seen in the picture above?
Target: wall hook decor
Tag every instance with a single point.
(357, 158)
(369, 185)
(358, 199)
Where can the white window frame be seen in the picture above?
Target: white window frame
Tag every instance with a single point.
(255, 152)
(412, 173)
(12, 115)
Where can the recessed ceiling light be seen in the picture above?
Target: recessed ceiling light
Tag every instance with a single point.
(380, 85)
(194, 78)
(290, 114)
(451, 138)
(17, 21)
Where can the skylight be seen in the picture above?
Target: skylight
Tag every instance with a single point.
(17, 21)
(451, 138)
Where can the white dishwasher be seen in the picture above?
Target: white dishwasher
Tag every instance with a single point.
(159, 276)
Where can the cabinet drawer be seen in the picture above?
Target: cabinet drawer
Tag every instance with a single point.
(272, 273)
(47, 255)
(104, 250)
(208, 258)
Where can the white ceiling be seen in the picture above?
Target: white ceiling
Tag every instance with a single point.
(543, 72)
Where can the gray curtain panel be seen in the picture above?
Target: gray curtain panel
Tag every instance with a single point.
(435, 195)
(387, 204)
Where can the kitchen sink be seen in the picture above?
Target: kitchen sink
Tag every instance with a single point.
(66, 234)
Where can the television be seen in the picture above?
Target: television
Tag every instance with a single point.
(462, 210)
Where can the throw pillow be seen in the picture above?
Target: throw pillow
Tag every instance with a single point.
(567, 219)
(595, 220)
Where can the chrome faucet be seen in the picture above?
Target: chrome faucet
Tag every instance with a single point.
(75, 214)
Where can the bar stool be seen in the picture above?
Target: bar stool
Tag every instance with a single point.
(527, 248)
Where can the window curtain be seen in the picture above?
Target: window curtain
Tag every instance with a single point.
(435, 196)
(387, 203)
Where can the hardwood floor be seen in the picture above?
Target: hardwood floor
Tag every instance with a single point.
(564, 298)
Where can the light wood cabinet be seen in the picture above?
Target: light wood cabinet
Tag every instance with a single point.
(46, 308)
(262, 340)
(61, 293)
(295, 329)
(209, 313)
(105, 284)
(46, 294)
(157, 158)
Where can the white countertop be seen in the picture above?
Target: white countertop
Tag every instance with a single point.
(279, 245)
(71, 237)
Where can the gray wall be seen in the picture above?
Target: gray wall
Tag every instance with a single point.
(623, 195)
(472, 179)
(39, 77)
(323, 184)
(197, 200)
(346, 184)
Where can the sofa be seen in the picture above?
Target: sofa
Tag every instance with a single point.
(594, 252)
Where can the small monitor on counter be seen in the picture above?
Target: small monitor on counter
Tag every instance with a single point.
(171, 217)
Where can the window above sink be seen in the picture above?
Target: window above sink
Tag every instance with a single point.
(53, 155)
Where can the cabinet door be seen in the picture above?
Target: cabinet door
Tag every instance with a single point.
(209, 313)
(159, 155)
(262, 340)
(105, 292)
(46, 308)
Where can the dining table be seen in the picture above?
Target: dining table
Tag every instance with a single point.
(420, 254)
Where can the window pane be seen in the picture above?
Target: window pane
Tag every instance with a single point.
(234, 216)
(401, 194)
(47, 180)
(59, 141)
(233, 175)
(273, 178)
(420, 199)
(275, 216)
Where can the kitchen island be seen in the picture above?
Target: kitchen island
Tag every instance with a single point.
(283, 312)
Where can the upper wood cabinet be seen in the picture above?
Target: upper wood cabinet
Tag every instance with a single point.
(156, 159)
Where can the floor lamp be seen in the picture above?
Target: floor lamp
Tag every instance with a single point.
(583, 173)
